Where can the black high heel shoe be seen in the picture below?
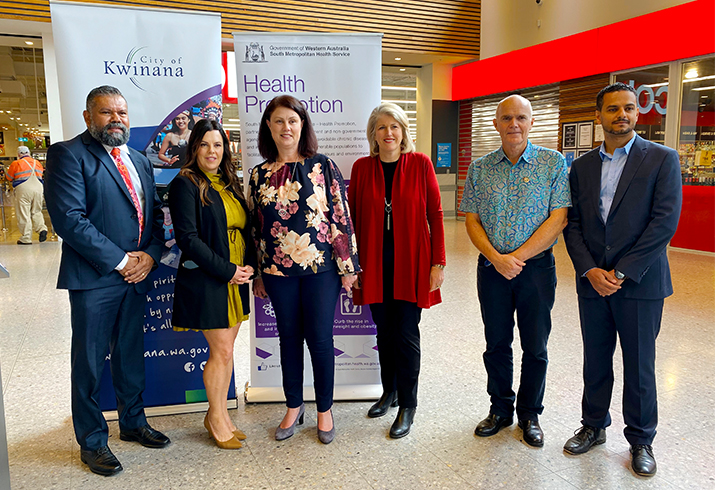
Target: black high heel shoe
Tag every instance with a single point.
(403, 422)
(283, 434)
(380, 408)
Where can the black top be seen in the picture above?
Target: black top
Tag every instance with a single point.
(388, 234)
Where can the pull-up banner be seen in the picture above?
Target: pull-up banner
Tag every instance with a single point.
(337, 77)
(170, 81)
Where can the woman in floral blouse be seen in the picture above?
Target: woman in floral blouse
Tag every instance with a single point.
(306, 249)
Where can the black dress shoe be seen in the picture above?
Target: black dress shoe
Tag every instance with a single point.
(43, 236)
(146, 436)
(584, 439)
(380, 408)
(492, 424)
(642, 460)
(403, 422)
(101, 461)
(533, 435)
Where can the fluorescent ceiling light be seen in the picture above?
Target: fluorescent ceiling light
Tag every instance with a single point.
(700, 89)
(395, 101)
(692, 73)
(393, 87)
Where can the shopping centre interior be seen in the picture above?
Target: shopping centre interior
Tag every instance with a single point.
(449, 80)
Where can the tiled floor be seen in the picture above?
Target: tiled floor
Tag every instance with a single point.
(441, 451)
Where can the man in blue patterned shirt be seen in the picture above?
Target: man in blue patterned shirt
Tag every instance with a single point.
(516, 199)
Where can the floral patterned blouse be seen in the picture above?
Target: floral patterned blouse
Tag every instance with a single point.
(301, 225)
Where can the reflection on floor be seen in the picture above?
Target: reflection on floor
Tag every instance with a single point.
(441, 451)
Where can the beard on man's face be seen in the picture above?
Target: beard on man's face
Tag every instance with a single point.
(107, 138)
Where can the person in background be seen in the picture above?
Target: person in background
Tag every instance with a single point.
(395, 202)
(627, 197)
(516, 199)
(212, 228)
(174, 144)
(25, 173)
(306, 250)
(102, 200)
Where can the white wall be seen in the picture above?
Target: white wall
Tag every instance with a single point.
(507, 25)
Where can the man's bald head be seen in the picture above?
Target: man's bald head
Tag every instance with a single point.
(514, 99)
(513, 121)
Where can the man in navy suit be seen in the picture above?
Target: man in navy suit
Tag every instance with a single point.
(102, 200)
(626, 199)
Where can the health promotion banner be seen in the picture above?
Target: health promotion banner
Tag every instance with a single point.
(170, 81)
(337, 77)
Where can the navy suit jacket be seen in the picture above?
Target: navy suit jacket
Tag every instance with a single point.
(92, 211)
(642, 220)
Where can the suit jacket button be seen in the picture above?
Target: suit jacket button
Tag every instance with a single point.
(134, 240)
(134, 216)
(608, 247)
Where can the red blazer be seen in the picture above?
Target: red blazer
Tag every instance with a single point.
(418, 224)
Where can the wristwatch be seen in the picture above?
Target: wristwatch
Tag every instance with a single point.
(439, 266)
(619, 275)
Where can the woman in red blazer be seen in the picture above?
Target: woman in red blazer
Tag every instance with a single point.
(397, 212)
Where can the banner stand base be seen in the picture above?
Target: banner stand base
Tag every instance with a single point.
(111, 415)
(270, 394)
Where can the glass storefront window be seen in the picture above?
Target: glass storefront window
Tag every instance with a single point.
(651, 85)
(697, 122)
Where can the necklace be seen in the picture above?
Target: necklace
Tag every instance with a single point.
(388, 211)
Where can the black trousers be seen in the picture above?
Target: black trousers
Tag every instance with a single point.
(531, 295)
(305, 309)
(106, 320)
(637, 324)
(398, 344)
(398, 337)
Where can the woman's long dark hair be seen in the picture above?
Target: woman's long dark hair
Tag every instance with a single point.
(227, 168)
(308, 143)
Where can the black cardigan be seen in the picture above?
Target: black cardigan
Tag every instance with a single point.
(201, 293)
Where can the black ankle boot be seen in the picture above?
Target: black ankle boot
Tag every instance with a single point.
(403, 422)
(380, 408)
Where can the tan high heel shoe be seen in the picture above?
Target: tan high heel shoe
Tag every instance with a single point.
(238, 433)
(232, 443)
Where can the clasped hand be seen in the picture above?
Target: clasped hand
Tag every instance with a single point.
(138, 267)
(604, 282)
(508, 266)
(242, 275)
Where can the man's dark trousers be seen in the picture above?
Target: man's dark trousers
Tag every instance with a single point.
(531, 295)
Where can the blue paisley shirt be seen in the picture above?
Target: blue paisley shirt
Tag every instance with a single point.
(301, 220)
(512, 201)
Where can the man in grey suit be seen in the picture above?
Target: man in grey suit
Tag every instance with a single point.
(102, 200)
(626, 199)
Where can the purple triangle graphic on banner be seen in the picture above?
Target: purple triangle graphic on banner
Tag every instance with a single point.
(262, 354)
(362, 356)
(374, 347)
(337, 351)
